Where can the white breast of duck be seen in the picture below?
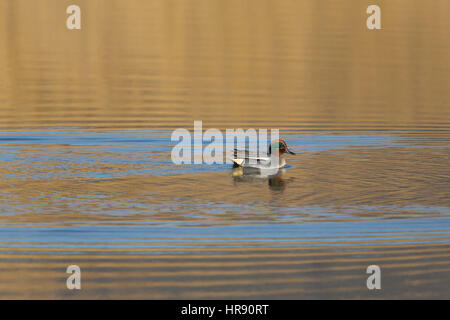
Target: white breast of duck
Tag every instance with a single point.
(260, 162)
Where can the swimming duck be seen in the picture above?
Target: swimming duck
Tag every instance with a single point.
(243, 158)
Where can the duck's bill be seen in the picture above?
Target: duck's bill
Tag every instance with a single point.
(290, 152)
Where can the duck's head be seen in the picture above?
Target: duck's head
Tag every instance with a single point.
(282, 147)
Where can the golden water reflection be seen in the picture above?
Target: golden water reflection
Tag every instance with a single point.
(85, 170)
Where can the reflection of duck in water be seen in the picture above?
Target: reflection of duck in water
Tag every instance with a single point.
(268, 163)
(275, 181)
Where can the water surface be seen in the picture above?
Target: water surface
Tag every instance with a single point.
(86, 176)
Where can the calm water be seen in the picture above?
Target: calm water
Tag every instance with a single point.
(86, 176)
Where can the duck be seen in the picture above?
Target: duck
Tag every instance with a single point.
(244, 159)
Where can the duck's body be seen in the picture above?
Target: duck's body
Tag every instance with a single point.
(258, 162)
(269, 162)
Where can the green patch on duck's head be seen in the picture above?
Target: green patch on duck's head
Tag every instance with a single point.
(281, 145)
(278, 144)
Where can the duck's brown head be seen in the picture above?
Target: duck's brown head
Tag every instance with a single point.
(282, 147)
